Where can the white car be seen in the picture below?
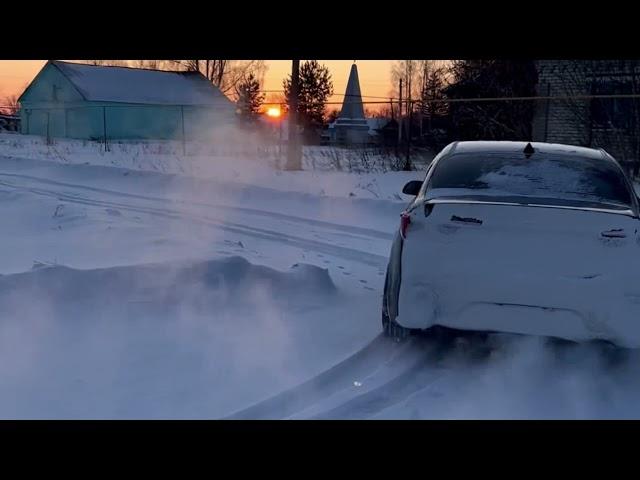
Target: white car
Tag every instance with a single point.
(527, 238)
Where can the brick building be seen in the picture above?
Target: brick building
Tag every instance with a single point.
(612, 123)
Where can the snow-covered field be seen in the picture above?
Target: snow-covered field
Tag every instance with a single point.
(141, 283)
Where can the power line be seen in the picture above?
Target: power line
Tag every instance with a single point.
(417, 101)
(488, 99)
(336, 95)
(511, 99)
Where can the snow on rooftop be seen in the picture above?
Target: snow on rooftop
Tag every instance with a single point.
(377, 122)
(134, 85)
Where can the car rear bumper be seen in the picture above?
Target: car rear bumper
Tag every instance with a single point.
(564, 310)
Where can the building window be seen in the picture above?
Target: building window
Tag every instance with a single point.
(615, 113)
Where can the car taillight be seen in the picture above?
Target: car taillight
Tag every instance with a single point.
(405, 220)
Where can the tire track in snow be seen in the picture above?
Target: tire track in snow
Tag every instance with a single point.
(338, 377)
(445, 361)
(394, 373)
(363, 406)
(366, 258)
(401, 361)
(367, 232)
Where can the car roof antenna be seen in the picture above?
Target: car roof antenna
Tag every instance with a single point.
(528, 150)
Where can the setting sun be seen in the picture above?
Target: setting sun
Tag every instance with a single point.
(274, 112)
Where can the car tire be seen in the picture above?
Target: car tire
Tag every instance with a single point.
(391, 328)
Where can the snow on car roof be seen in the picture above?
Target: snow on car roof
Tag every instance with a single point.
(136, 85)
(518, 147)
(500, 169)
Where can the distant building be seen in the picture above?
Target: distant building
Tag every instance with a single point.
(376, 126)
(610, 123)
(93, 102)
(375, 132)
(351, 126)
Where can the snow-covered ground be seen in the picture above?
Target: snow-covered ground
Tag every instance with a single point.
(329, 171)
(91, 330)
(142, 283)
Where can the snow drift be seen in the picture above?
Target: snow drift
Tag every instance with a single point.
(177, 340)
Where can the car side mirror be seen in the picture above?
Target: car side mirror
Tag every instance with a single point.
(412, 188)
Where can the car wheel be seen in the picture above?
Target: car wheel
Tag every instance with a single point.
(392, 330)
(390, 327)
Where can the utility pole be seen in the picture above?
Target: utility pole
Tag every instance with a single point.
(184, 139)
(400, 114)
(49, 142)
(546, 113)
(407, 163)
(294, 150)
(104, 128)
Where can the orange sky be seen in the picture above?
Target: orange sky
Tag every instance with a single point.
(375, 75)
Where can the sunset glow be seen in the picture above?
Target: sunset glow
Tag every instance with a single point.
(375, 78)
(274, 112)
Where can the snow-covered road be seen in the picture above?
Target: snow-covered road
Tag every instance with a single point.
(85, 223)
(129, 293)
(276, 223)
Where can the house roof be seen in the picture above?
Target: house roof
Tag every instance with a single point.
(374, 124)
(377, 123)
(141, 86)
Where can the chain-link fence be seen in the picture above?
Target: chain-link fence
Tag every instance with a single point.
(9, 123)
(190, 131)
(607, 117)
(107, 123)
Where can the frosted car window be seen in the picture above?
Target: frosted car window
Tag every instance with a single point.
(561, 178)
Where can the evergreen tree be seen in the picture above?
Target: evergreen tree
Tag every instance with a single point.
(315, 88)
(249, 97)
(433, 85)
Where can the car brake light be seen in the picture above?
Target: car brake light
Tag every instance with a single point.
(405, 220)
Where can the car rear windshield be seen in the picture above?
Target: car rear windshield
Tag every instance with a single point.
(548, 179)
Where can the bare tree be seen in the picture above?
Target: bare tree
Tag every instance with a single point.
(372, 112)
(152, 64)
(226, 74)
(332, 115)
(106, 63)
(9, 105)
(385, 111)
(170, 65)
(420, 78)
(409, 72)
(276, 98)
